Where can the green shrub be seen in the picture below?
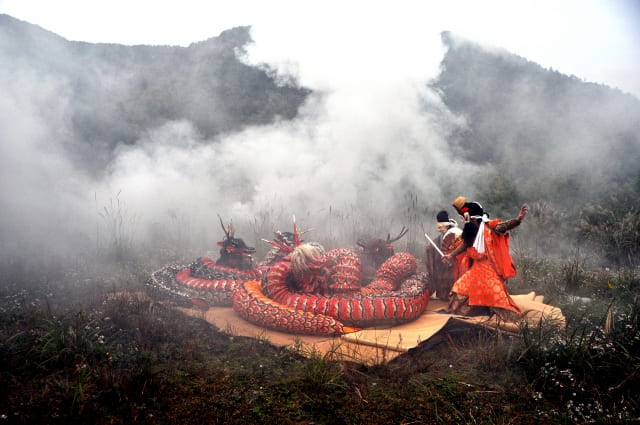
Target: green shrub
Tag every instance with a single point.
(588, 371)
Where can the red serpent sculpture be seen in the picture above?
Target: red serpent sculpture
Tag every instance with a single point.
(326, 299)
(252, 305)
(399, 294)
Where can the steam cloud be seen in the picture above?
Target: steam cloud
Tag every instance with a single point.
(351, 150)
(370, 140)
(361, 143)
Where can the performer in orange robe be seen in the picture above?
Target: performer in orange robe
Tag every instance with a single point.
(486, 244)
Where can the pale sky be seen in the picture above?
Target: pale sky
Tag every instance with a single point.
(333, 42)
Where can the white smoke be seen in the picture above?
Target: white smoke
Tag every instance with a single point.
(371, 134)
(370, 137)
(346, 151)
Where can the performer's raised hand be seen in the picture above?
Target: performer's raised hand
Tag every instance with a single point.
(523, 212)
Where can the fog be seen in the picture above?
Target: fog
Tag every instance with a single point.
(354, 151)
(368, 153)
(350, 155)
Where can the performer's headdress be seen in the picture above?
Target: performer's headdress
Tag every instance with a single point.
(459, 204)
(443, 218)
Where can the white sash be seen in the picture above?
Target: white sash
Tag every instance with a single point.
(478, 243)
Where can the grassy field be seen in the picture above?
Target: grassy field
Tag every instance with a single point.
(77, 346)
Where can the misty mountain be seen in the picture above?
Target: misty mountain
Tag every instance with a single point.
(549, 135)
(181, 134)
(527, 122)
(106, 95)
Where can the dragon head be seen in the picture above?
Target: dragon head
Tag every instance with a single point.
(378, 250)
(234, 252)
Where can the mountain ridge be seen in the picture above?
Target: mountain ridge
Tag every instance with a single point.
(116, 92)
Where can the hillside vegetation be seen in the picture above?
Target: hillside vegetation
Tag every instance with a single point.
(113, 93)
(568, 147)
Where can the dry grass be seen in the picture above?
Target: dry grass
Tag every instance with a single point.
(78, 345)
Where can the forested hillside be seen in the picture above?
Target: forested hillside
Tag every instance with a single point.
(538, 123)
(111, 94)
(571, 147)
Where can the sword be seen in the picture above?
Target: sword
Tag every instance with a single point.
(432, 242)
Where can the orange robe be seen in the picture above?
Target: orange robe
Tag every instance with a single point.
(484, 282)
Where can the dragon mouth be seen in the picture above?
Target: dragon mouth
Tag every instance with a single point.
(248, 253)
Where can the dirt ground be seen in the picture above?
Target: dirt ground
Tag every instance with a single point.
(376, 345)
